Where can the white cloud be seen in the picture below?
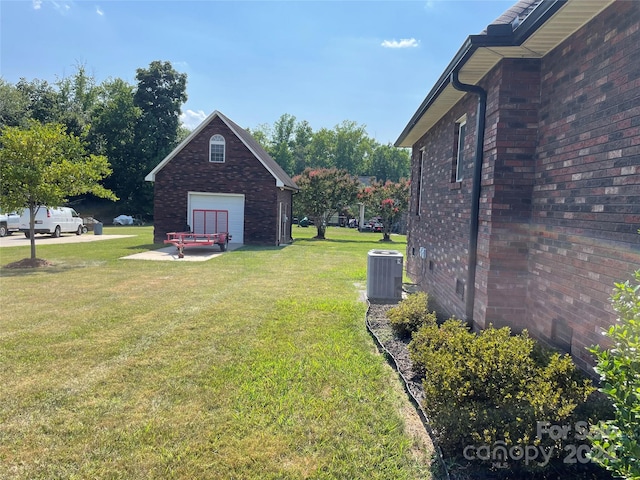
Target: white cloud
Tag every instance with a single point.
(37, 4)
(99, 11)
(403, 43)
(191, 119)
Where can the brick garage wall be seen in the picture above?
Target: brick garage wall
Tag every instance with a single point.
(241, 173)
(586, 199)
(441, 226)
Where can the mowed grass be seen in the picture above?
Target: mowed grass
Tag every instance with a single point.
(255, 364)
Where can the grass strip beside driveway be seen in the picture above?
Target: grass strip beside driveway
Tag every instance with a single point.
(255, 364)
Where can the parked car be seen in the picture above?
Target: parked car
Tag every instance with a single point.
(89, 223)
(373, 225)
(123, 220)
(128, 220)
(53, 221)
(9, 223)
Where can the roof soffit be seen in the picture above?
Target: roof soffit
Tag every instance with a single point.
(567, 20)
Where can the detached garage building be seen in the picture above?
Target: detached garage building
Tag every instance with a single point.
(220, 179)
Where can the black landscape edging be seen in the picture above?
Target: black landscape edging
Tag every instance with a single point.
(406, 382)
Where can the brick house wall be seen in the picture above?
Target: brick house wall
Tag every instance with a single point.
(438, 218)
(560, 201)
(586, 201)
(241, 173)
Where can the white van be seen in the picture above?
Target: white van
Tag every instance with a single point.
(52, 220)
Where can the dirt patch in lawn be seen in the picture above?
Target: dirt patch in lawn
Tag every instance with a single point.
(29, 263)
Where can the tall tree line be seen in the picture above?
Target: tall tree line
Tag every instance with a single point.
(134, 126)
(295, 146)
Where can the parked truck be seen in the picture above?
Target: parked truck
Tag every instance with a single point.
(9, 223)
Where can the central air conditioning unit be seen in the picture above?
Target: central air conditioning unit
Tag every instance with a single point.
(384, 276)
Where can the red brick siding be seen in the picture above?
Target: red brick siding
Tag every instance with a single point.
(586, 202)
(241, 173)
(560, 202)
(442, 223)
(508, 179)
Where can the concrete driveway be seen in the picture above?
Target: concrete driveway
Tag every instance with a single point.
(19, 240)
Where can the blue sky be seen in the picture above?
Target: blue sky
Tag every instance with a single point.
(372, 62)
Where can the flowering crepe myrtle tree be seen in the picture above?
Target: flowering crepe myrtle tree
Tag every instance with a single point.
(388, 200)
(323, 193)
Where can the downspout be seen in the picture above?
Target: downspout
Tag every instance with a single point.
(474, 221)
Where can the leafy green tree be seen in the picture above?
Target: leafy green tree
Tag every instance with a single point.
(43, 165)
(390, 163)
(262, 134)
(113, 133)
(160, 94)
(13, 105)
(323, 193)
(303, 135)
(282, 142)
(352, 147)
(43, 103)
(387, 200)
(321, 149)
(616, 442)
(77, 97)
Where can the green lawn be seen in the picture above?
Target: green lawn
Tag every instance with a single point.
(255, 364)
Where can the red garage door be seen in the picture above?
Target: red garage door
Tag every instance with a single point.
(210, 221)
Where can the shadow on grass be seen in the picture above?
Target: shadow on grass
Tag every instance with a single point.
(333, 240)
(48, 269)
(147, 246)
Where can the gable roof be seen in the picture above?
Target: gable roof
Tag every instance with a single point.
(529, 29)
(282, 179)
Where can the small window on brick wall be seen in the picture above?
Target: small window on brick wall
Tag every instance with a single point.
(458, 149)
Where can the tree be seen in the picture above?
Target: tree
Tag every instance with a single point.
(321, 149)
(303, 135)
(77, 97)
(616, 442)
(160, 94)
(389, 163)
(388, 200)
(43, 102)
(282, 142)
(13, 105)
(352, 147)
(112, 134)
(323, 193)
(43, 165)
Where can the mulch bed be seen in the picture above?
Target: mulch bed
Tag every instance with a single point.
(29, 263)
(459, 468)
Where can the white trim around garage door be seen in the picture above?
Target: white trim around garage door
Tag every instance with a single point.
(231, 202)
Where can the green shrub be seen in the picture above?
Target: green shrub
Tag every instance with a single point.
(410, 314)
(617, 442)
(491, 387)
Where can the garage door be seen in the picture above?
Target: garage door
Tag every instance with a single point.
(214, 202)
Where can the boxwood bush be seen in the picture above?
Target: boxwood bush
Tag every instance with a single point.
(492, 388)
(410, 314)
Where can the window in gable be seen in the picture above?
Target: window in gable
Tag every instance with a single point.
(216, 149)
(458, 150)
